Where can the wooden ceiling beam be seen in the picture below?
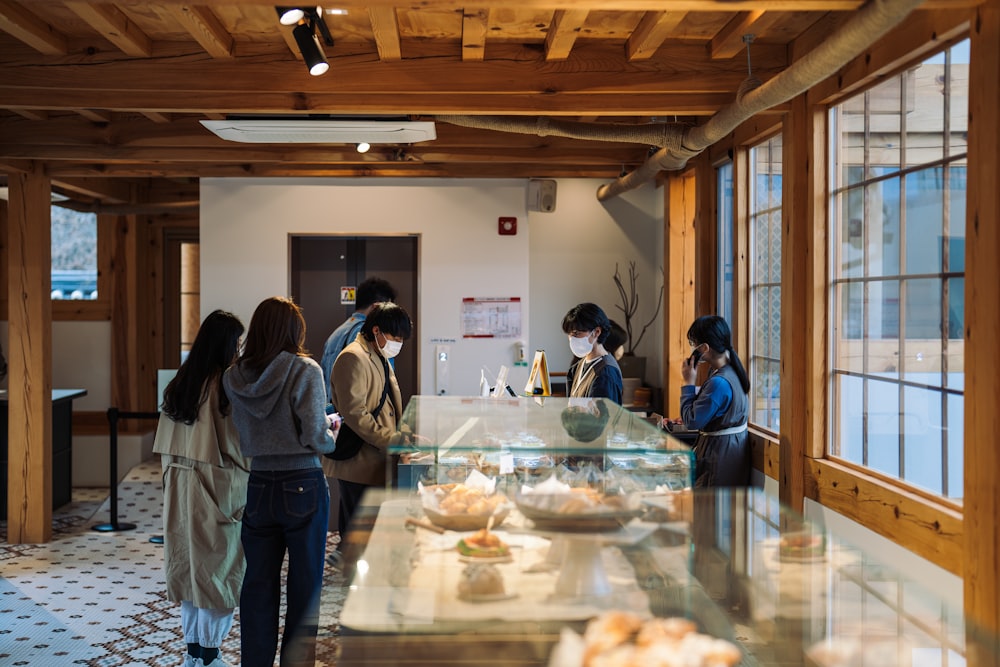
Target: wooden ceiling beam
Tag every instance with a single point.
(115, 26)
(95, 115)
(16, 166)
(475, 25)
(584, 152)
(563, 31)
(648, 36)
(32, 114)
(206, 28)
(520, 104)
(594, 5)
(156, 116)
(113, 191)
(20, 23)
(677, 67)
(385, 29)
(729, 41)
(385, 170)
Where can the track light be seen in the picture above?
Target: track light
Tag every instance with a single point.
(363, 147)
(310, 48)
(306, 20)
(290, 15)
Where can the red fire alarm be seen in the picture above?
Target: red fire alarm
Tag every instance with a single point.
(508, 226)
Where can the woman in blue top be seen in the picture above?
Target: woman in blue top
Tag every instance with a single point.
(594, 373)
(718, 410)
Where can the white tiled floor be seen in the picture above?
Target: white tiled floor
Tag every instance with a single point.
(98, 598)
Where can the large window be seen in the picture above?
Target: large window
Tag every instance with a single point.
(765, 282)
(898, 259)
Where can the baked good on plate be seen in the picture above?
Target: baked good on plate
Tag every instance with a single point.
(483, 544)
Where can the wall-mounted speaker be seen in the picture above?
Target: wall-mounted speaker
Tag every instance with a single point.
(542, 195)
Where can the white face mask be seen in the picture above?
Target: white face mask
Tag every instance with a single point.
(391, 348)
(580, 347)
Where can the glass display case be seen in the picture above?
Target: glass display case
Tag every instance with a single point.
(600, 557)
(741, 577)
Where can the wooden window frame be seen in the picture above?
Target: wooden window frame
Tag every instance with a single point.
(928, 525)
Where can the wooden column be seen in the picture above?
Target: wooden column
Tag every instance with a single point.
(29, 433)
(803, 298)
(982, 354)
(133, 357)
(680, 289)
(706, 262)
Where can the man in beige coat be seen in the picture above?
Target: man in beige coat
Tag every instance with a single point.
(359, 375)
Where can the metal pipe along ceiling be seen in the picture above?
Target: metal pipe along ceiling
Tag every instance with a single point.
(679, 143)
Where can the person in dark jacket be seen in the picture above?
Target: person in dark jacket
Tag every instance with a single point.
(278, 400)
(594, 372)
(719, 408)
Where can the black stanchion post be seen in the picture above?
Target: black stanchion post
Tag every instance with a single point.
(114, 525)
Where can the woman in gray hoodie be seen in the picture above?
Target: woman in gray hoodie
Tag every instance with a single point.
(278, 400)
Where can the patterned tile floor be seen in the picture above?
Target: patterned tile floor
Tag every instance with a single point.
(98, 598)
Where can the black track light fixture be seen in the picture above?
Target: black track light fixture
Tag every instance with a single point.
(306, 20)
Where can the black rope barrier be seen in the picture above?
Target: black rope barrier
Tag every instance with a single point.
(113, 416)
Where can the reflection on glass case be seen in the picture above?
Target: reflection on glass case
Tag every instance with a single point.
(520, 442)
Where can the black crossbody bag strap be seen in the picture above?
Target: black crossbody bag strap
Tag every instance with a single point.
(385, 388)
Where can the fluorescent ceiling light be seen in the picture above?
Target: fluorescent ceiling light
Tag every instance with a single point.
(322, 131)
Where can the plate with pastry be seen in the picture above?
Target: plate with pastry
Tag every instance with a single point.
(579, 509)
(483, 547)
(468, 505)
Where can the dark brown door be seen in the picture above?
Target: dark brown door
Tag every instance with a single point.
(321, 265)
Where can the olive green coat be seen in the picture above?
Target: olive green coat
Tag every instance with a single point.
(204, 493)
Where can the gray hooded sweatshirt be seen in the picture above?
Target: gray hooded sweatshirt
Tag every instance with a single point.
(281, 413)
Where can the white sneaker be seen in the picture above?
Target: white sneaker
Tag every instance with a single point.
(191, 661)
(218, 662)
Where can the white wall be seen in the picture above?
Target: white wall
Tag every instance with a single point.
(81, 359)
(555, 261)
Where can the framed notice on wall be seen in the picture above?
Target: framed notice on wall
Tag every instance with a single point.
(491, 317)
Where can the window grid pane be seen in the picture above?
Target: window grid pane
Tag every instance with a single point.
(897, 239)
(765, 281)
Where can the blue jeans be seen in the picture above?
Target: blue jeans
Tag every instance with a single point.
(286, 510)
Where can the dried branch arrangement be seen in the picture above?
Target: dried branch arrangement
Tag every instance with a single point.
(630, 305)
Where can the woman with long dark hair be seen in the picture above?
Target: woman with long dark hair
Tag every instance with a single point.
(279, 401)
(718, 410)
(204, 491)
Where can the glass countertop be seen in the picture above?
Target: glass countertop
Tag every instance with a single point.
(733, 562)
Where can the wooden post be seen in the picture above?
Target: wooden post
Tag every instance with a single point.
(803, 314)
(29, 439)
(679, 272)
(982, 322)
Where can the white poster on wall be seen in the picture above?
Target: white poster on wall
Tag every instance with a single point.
(491, 317)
